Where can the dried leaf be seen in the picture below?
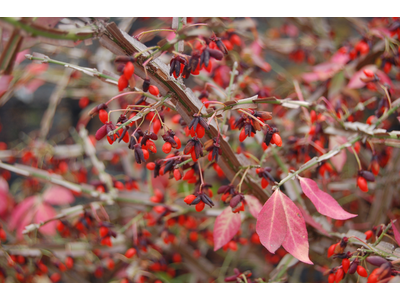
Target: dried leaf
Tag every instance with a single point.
(323, 202)
(280, 223)
(227, 224)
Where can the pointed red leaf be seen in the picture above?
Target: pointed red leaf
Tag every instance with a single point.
(254, 205)
(396, 233)
(58, 195)
(227, 224)
(280, 223)
(323, 202)
(296, 240)
(271, 223)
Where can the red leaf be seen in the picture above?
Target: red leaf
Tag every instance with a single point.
(396, 233)
(20, 211)
(323, 202)
(254, 205)
(58, 195)
(280, 223)
(44, 213)
(271, 224)
(227, 224)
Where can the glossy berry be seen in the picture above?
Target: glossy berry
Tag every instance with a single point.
(345, 264)
(277, 139)
(103, 231)
(189, 199)
(154, 90)
(55, 277)
(200, 206)
(130, 252)
(361, 271)
(242, 135)
(122, 83)
(339, 275)
(83, 102)
(166, 148)
(331, 250)
(150, 166)
(177, 174)
(368, 234)
(368, 73)
(69, 262)
(264, 183)
(362, 183)
(103, 116)
(128, 70)
(331, 278)
(156, 126)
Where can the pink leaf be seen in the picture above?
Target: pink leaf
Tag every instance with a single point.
(58, 195)
(356, 82)
(20, 211)
(339, 159)
(227, 224)
(3, 195)
(396, 233)
(323, 202)
(310, 221)
(271, 224)
(254, 205)
(296, 240)
(44, 213)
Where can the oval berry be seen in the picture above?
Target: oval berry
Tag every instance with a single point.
(242, 135)
(361, 271)
(277, 139)
(122, 83)
(345, 264)
(362, 183)
(200, 206)
(151, 166)
(128, 70)
(154, 90)
(103, 116)
(130, 252)
(166, 148)
(177, 175)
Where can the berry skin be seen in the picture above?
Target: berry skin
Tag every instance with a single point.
(122, 83)
(189, 199)
(200, 131)
(361, 271)
(370, 119)
(178, 142)
(277, 139)
(200, 206)
(331, 250)
(264, 183)
(313, 116)
(83, 102)
(103, 116)
(166, 148)
(368, 234)
(154, 90)
(3, 235)
(362, 183)
(130, 252)
(103, 231)
(128, 70)
(242, 135)
(151, 166)
(345, 264)
(156, 126)
(339, 275)
(331, 278)
(177, 175)
(368, 73)
(55, 277)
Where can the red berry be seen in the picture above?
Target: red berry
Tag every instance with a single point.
(331, 250)
(362, 183)
(200, 206)
(146, 154)
(151, 166)
(339, 275)
(371, 120)
(154, 90)
(83, 102)
(55, 277)
(69, 262)
(156, 126)
(361, 271)
(178, 141)
(368, 73)
(242, 135)
(387, 67)
(122, 83)
(103, 116)
(368, 234)
(128, 70)
(110, 264)
(189, 199)
(177, 175)
(375, 167)
(313, 116)
(200, 131)
(235, 40)
(331, 278)
(130, 252)
(103, 231)
(345, 264)
(277, 139)
(264, 183)
(166, 148)
(3, 235)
